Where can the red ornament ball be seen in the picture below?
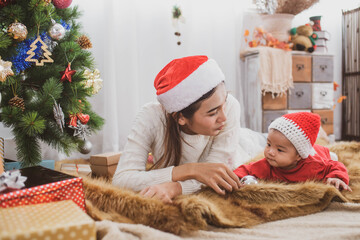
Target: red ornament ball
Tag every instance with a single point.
(61, 3)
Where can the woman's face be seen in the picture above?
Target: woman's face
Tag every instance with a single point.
(210, 118)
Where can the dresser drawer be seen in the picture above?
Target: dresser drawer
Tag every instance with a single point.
(322, 95)
(269, 117)
(276, 103)
(300, 96)
(322, 68)
(301, 68)
(327, 120)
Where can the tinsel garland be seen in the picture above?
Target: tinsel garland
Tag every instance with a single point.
(18, 61)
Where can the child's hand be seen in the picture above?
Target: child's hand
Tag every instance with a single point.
(338, 183)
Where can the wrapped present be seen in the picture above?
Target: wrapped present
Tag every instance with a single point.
(104, 164)
(44, 185)
(76, 169)
(56, 220)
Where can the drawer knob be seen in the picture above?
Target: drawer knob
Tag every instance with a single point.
(300, 66)
(323, 93)
(299, 93)
(324, 120)
(323, 67)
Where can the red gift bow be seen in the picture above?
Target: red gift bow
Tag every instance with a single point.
(84, 118)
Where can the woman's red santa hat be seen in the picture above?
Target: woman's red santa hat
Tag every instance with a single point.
(184, 80)
(301, 129)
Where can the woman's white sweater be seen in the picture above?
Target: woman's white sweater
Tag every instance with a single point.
(147, 135)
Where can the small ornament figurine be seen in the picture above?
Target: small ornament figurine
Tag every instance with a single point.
(93, 80)
(46, 2)
(46, 54)
(59, 116)
(62, 3)
(5, 70)
(17, 102)
(83, 118)
(80, 130)
(85, 147)
(67, 74)
(84, 42)
(23, 76)
(56, 31)
(17, 31)
(248, 180)
(177, 17)
(4, 3)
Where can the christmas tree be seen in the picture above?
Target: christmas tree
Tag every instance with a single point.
(46, 77)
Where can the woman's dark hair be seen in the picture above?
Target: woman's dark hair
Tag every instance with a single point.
(172, 140)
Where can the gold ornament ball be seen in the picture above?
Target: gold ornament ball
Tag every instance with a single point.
(17, 31)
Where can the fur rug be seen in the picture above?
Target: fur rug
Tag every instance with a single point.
(249, 206)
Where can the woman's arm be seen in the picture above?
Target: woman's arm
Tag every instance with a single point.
(131, 170)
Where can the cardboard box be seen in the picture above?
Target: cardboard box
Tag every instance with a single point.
(104, 164)
(56, 220)
(44, 185)
(75, 169)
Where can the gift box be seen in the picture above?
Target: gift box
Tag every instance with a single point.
(56, 220)
(44, 185)
(75, 169)
(104, 164)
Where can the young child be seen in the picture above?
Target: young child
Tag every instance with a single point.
(292, 156)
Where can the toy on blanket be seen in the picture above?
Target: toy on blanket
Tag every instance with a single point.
(263, 38)
(303, 38)
(248, 180)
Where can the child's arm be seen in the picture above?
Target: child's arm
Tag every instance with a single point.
(338, 183)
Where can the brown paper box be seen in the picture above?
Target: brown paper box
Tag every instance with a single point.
(55, 220)
(104, 164)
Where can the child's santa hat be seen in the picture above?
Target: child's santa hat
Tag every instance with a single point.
(301, 129)
(183, 81)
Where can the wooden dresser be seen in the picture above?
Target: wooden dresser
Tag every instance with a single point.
(313, 91)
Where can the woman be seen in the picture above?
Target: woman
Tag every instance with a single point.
(192, 133)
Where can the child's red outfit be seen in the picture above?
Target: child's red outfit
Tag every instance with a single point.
(317, 167)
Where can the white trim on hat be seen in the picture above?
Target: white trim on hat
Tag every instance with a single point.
(295, 135)
(207, 76)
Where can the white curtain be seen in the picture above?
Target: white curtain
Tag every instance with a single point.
(132, 41)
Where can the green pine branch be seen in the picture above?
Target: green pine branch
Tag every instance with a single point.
(40, 86)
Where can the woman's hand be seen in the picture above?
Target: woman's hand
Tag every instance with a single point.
(165, 192)
(338, 183)
(215, 175)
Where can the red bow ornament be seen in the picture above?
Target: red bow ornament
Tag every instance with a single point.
(73, 120)
(84, 118)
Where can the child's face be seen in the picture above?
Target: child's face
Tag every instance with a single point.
(280, 152)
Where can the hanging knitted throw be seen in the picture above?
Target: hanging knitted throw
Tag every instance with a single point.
(275, 72)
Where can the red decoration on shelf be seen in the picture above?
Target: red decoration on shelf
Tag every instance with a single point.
(62, 3)
(66, 75)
